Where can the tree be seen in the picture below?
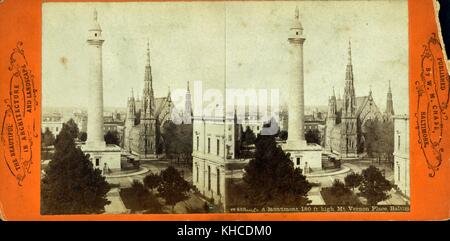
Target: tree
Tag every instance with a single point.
(152, 181)
(339, 189)
(112, 137)
(72, 128)
(82, 136)
(71, 185)
(137, 197)
(248, 137)
(372, 137)
(177, 140)
(353, 180)
(386, 145)
(272, 179)
(283, 135)
(173, 187)
(374, 186)
(48, 138)
(313, 136)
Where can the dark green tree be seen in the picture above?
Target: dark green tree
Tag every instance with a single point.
(72, 128)
(48, 138)
(272, 179)
(139, 198)
(374, 186)
(71, 185)
(112, 137)
(173, 187)
(248, 137)
(82, 136)
(339, 190)
(353, 180)
(152, 181)
(371, 137)
(313, 136)
(169, 134)
(386, 144)
(283, 135)
(177, 140)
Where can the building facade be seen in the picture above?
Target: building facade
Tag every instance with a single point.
(401, 154)
(52, 122)
(215, 141)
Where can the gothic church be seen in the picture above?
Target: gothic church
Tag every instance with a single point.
(347, 117)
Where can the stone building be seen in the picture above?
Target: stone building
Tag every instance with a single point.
(215, 141)
(146, 116)
(346, 118)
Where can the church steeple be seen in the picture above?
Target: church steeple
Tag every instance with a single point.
(187, 107)
(349, 107)
(389, 103)
(148, 96)
(332, 105)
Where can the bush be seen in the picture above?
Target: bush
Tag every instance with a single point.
(152, 181)
(353, 180)
(339, 194)
(137, 198)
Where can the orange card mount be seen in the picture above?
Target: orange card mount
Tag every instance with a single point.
(117, 151)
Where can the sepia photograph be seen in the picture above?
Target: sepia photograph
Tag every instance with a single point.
(225, 107)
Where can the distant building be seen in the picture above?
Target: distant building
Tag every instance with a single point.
(112, 123)
(80, 119)
(401, 154)
(52, 122)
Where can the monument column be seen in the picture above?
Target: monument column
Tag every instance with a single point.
(296, 136)
(95, 137)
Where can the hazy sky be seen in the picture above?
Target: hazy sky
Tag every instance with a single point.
(240, 45)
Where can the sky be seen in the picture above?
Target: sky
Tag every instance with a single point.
(226, 45)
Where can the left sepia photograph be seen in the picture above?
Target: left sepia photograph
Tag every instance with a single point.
(116, 113)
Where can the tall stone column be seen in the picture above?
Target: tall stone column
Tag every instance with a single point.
(95, 138)
(296, 136)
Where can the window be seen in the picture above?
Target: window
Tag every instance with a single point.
(398, 142)
(209, 178)
(95, 35)
(218, 146)
(97, 162)
(56, 128)
(218, 181)
(298, 161)
(196, 169)
(198, 140)
(398, 171)
(209, 145)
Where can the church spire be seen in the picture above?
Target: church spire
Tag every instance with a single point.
(148, 97)
(349, 52)
(349, 90)
(148, 53)
(389, 103)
